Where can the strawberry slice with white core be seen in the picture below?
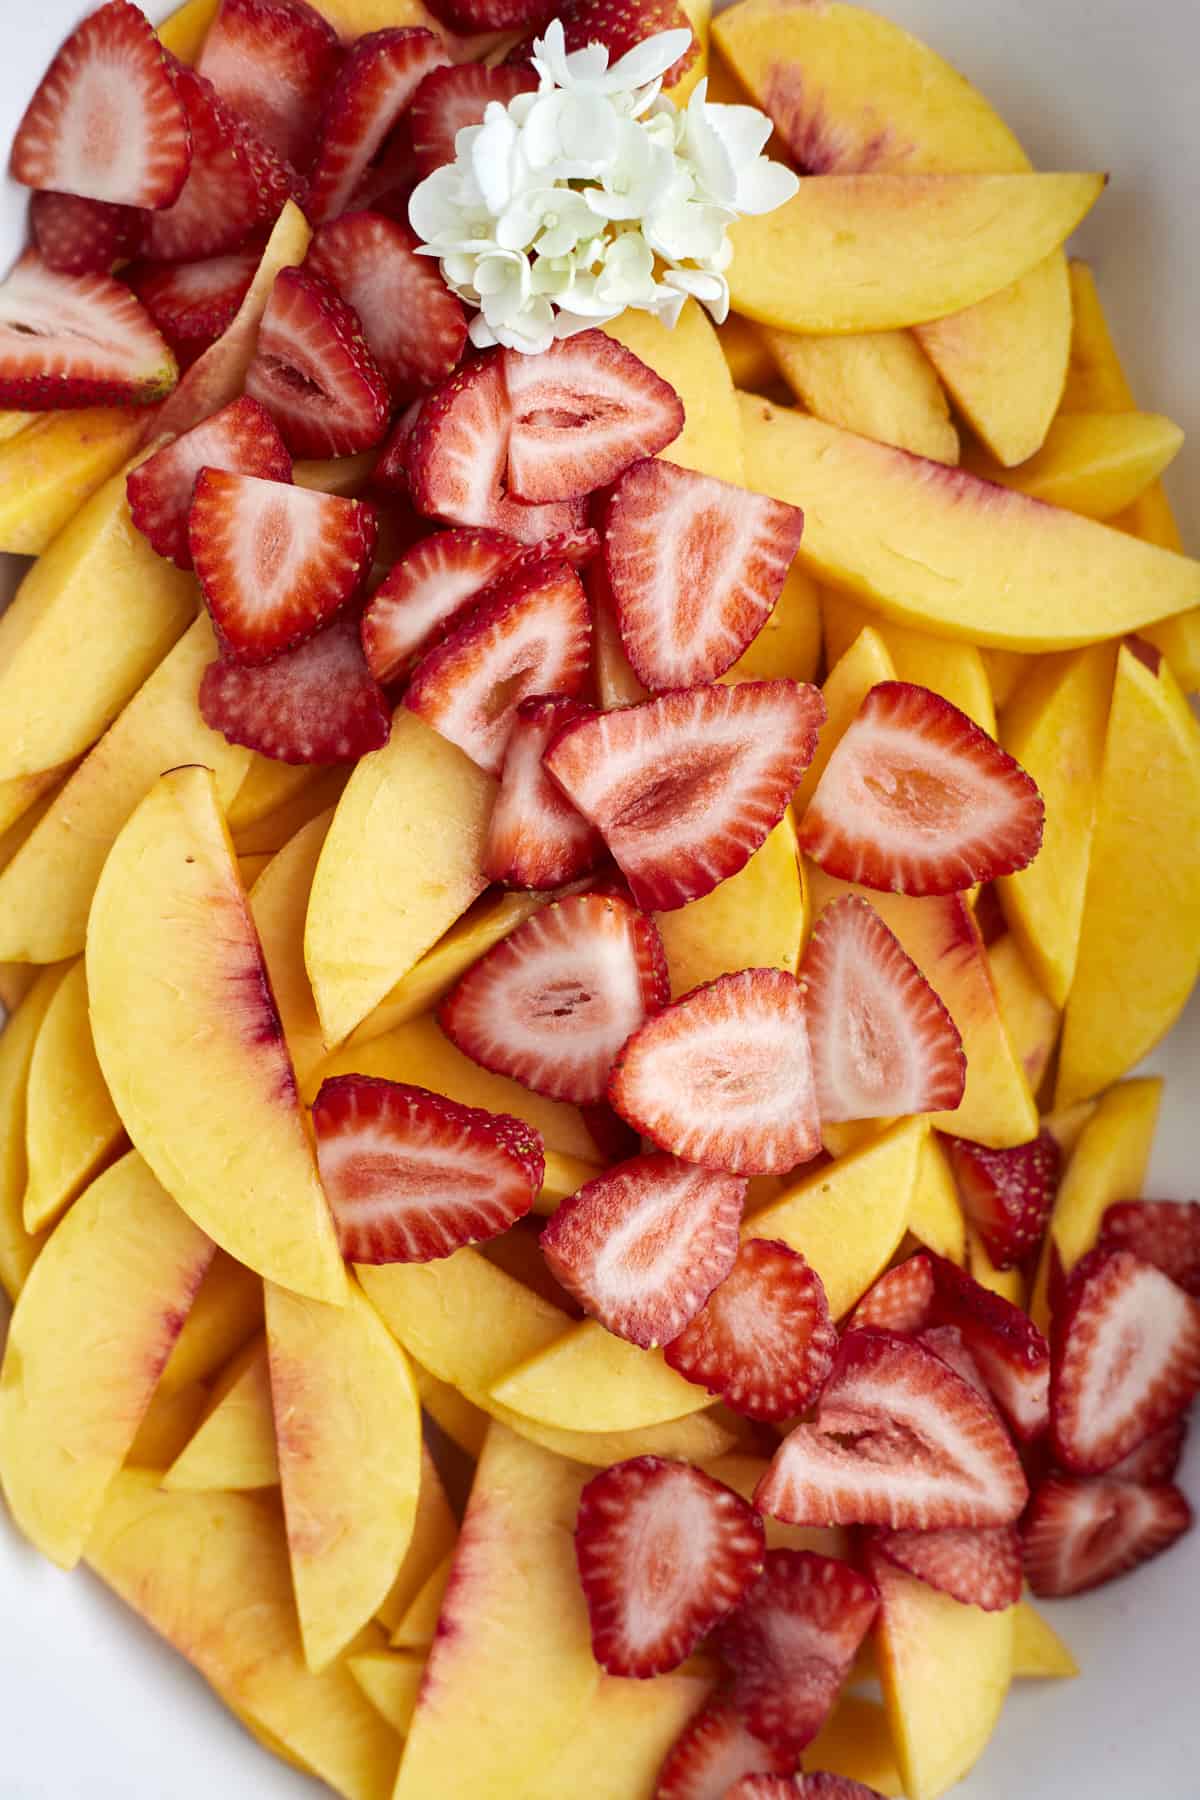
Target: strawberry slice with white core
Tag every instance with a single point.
(664, 1553)
(411, 1175)
(535, 838)
(1126, 1360)
(619, 25)
(240, 438)
(763, 1340)
(821, 1786)
(193, 303)
(1008, 1195)
(552, 1004)
(1163, 1232)
(792, 1641)
(313, 372)
(582, 411)
(684, 788)
(374, 87)
(642, 1246)
(273, 61)
(898, 1440)
(275, 562)
(882, 1041)
(415, 328)
(917, 799)
(901, 1299)
(453, 97)
(946, 1341)
(317, 704)
(712, 1752)
(976, 1568)
(764, 1787)
(695, 566)
(1012, 1355)
(432, 583)
(531, 633)
(470, 16)
(723, 1077)
(1157, 1458)
(106, 122)
(1081, 1534)
(76, 340)
(81, 237)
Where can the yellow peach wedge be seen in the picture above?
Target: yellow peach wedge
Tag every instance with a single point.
(954, 670)
(23, 801)
(934, 1215)
(48, 472)
(227, 1313)
(267, 787)
(1008, 1283)
(743, 345)
(853, 671)
(278, 905)
(627, 1731)
(71, 1124)
(233, 1446)
(434, 1532)
(418, 1628)
(18, 1250)
(1006, 670)
(743, 1473)
(464, 1423)
(691, 359)
(391, 1680)
(878, 383)
(758, 919)
(270, 834)
(1032, 1021)
(1039, 1654)
(856, 1743)
(789, 644)
(591, 1381)
(1096, 464)
(184, 32)
(167, 1424)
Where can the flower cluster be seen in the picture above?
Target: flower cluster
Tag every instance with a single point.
(594, 194)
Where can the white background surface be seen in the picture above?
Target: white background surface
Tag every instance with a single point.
(90, 1702)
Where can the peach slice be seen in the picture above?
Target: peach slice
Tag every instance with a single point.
(743, 1473)
(23, 801)
(856, 1742)
(233, 1446)
(935, 1217)
(758, 919)
(278, 905)
(1006, 670)
(1039, 1654)
(743, 344)
(205, 1086)
(789, 644)
(622, 1741)
(167, 1424)
(691, 359)
(435, 1530)
(123, 1267)
(1030, 1019)
(418, 1628)
(953, 669)
(1096, 464)
(463, 1423)
(1008, 1283)
(878, 383)
(184, 32)
(71, 1125)
(227, 1313)
(18, 1250)
(266, 787)
(391, 1680)
(590, 1380)
(49, 470)
(272, 832)
(853, 671)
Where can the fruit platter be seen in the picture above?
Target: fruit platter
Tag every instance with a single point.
(599, 894)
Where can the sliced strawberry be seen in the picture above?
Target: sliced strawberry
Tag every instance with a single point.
(882, 1041)
(1007, 1194)
(469, 17)
(193, 303)
(552, 1003)
(619, 25)
(535, 838)
(901, 1299)
(1012, 1354)
(415, 328)
(723, 1077)
(275, 562)
(434, 582)
(235, 185)
(664, 1553)
(791, 1643)
(763, 1340)
(1080, 1534)
(375, 85)
(977, 1568)
(531, 633)
(1163, 1232)
(614, 1139)
(386, 186)
(455, 96)
(317, 704)
(917, 799)
(81, 237)
(695, 567)
(410, 1175)
(684, 788)
(1126, 1359)
(106, 122)
(1157, 1458)
(898, 1440)
(823, 1786)
(313, 371)
(764, 1787)
(643, 1245)
(76, 340)
(240, 438)
(947, 1342)
(273, 61)
(715, 1750)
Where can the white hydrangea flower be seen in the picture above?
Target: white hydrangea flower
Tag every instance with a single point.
(594, 194)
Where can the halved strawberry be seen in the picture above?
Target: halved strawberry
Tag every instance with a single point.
(713, 1751)
(1156, 1459)
(614, 1139)
(434, 582)
(791, 1643)
(977, 1568)
(374, 86)
(240, 438)
(81, 237)
(386, 186)
(552, 1003)
(106, 122)
(313, 372)
(917, 799)
(273, 61)
(882, 1041)
(685, 787)
(1007, 1194)
(1080, 1534)
(695, 567)
(415, 328)
(1012, 1354)
(530, 633)
(535, 837)
(723, 1077)
(619, 25)
(1126, 1359)
(643, 1245)
(764, 1787)
(947, 1342)
(1163, 1232)
(664, 1553)
(901, 1299)
(469, 17)
(823, 1786)
(455, 96)
(316, 704)
(76, 340)
(410, 1175)
(898, 1440)
(235, 184)
(193, 303)
(762, 1340)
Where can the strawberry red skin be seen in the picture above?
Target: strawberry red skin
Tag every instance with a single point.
(314, 372)
(437, 580)
(193, 303)
(639, 1519)
(241, 437)
(315, 704)
(714, 1750)
(535, 838)
(1163, 1232)
(620, 24)
(763, 1787)
(273, 61)
(81, 237)
(453, 97)
(375, 85)
(68, 341)
(1007, 1194)
(1081, 1534)
(820, 1786)
(823, 1786)
(976, 1568)
(1013, 1356)
(946, 1342)
(471, 16)
(901, 1299)
(1156, 1458)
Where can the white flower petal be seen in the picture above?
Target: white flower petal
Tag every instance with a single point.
(650, 59)
(765, 185)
